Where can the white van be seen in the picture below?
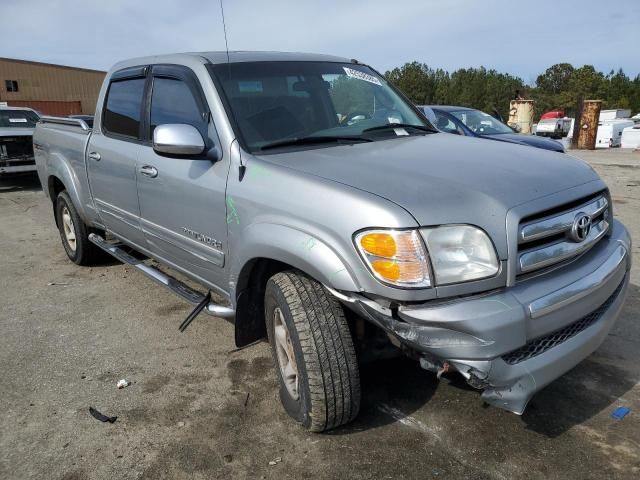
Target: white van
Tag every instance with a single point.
(610, 132)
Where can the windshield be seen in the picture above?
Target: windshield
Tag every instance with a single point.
(481, 123)
(18, 119)
(274, 102)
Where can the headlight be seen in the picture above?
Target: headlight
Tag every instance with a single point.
(460, 253)
(395, 257)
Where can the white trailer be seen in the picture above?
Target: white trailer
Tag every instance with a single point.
(553, 127)
(614, 114)
(610, 132)
(631, 137)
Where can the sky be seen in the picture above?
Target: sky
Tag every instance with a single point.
(521, 38)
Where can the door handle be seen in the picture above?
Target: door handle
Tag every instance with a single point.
(149, 171)
(94, 156)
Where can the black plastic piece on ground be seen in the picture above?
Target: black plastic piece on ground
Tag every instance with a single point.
(99, 416)
(187, 321)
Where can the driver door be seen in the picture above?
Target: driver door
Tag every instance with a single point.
(182, 198)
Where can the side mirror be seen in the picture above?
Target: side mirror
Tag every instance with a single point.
(177, 139)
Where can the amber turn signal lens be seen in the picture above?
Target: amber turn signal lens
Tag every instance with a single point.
(387, 269)
(396, 257)
(379, 244)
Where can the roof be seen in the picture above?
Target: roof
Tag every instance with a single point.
(234, 57)
(55, 65)
(256, 56)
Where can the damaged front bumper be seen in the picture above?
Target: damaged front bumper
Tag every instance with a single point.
(514, 341)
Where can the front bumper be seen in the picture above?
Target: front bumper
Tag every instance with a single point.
(17, 165)
(514, 341)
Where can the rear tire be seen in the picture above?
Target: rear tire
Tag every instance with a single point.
(74, 233)
(313, 351)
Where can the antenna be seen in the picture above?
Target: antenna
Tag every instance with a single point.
(242, 167)
(224, 27)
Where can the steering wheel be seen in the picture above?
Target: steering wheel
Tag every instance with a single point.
(349, 119)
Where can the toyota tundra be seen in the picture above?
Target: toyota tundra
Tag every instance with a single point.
(312, 204)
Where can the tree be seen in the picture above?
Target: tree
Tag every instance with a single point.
(619, 90)
(416, 80)
(556, 78)
(472, 87)
(558, 88)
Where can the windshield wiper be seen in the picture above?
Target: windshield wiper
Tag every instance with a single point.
(310, 140)
(386, 126)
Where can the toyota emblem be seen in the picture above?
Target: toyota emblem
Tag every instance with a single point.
(581, 227)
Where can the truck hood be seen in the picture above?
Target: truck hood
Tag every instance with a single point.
(530, 140)
(442, 178)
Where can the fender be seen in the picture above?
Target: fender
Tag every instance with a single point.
(281, 243)
(286, 244)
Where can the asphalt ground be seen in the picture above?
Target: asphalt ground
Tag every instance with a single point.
(198, 408)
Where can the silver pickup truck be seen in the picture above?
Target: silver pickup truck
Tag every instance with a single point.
(324, 212)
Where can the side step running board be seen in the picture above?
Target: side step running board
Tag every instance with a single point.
(176, 286)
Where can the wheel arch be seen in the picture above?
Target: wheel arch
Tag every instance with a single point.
(275, 248)
(54, 187)
(62, 176)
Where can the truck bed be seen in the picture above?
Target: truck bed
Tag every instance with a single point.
(60, 150)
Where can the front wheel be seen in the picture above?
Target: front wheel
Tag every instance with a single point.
(313, 351)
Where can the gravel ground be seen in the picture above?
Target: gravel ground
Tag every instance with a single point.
(199, 408)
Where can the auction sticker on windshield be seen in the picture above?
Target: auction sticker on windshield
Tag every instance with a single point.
(361, 75)
(17, 120)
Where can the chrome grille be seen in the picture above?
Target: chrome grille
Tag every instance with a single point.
(548, 240)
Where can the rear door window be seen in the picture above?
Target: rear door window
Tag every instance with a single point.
(123, 108)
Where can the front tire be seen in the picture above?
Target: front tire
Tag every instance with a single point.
(313, 351)
(74, 233)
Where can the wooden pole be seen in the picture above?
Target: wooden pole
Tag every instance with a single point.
(589, 124)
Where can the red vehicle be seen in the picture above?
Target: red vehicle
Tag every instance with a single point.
(553, 114)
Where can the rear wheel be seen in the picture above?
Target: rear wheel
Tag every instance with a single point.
(313, 351)
(74, 233)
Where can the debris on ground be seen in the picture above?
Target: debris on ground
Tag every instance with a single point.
(246, 400)
(620, 412)
(228, 458)
(99, 416)
(275, 461)
(56, 283)
(181, 424)
(123, 383)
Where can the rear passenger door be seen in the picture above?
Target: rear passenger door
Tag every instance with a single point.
(182, 206)
(112, 152)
